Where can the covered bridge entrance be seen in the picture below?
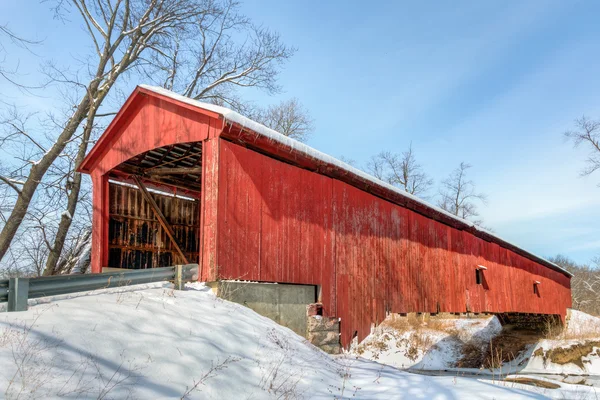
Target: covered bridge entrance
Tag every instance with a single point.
(154, 208)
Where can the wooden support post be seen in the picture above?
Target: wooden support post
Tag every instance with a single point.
(18, 293)
(159, 215)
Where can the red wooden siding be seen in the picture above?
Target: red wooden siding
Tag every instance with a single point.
(281, 223)
(273, 229)
(152, 124)
(210, 192)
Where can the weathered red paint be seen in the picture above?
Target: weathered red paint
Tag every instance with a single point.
(269, 213)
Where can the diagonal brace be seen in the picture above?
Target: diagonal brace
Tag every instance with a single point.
(160, 216)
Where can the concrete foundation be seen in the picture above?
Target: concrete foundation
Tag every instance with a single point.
(284, 304)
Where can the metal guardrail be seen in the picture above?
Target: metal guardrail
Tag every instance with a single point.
(16, 291)
(3, 290)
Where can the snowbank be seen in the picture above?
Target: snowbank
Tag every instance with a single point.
(575, 352)
(434, 346)
(160, 343)
(581, 325)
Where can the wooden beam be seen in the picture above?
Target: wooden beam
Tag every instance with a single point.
(198, 153)
(176, 171)
(124, 172)
(160, 216)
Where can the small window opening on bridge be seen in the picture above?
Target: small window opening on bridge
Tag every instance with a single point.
(478, 279)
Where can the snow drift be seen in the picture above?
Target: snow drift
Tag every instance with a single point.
(161, 343)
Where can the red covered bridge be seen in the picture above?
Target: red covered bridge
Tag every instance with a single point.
(178, 181)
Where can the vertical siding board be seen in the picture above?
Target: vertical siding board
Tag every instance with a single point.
(238, 250)
(210, 195)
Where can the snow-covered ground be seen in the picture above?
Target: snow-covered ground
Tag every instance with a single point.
(439, 346)
(434, 347)
(426, 348)
(151, 342)
(582, 329)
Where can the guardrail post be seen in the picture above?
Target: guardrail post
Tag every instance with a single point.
(179, 278)
(18, 293)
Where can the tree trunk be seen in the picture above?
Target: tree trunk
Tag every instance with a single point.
(67, 217)
(36, 174)
(63, 227)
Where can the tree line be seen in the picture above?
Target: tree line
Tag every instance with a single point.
(585, 283)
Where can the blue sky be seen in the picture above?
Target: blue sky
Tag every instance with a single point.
(491, 83)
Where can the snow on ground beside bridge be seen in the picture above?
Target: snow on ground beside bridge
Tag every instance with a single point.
(435, 344)
(152, 342)
(576, 351)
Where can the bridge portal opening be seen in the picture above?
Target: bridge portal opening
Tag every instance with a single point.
(154, 208)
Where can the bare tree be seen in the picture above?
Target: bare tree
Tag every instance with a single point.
(350, 161)
(587, 133)
(401, 170)
(459, 196)
(188, 45)
(210, 63)
(585, 283)
(289, 118)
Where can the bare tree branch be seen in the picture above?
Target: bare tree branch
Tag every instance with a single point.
(289, 118)
(459, 196)
(401, 170)
(587, 133)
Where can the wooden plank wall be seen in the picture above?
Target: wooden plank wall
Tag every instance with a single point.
(280, 223)
(274, 230)
(136, 238)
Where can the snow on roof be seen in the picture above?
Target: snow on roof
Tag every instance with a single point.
(236, 118)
